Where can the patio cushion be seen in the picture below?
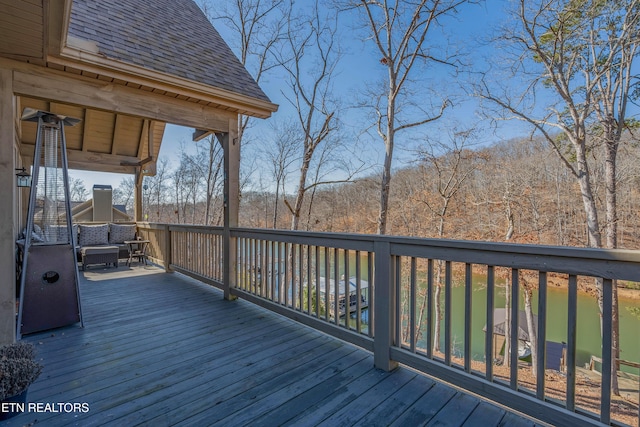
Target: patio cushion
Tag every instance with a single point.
(36, 235)
(99, 250)
(94, 235)
(58, 233)
(119, 233)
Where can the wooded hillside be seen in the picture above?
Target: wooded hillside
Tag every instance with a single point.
(516, 190)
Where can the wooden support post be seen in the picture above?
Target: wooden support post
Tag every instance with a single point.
(8, 210)
(231, 146)
(167, 249)
(384, 307)
(137, 208)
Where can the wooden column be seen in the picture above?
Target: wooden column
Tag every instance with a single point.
(384, 307)
(231, 146)
(137, 207)
(166, 256)
(8, 209)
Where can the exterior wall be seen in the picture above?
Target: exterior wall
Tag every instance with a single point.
(8, 211)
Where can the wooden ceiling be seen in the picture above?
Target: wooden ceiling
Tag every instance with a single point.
(22, 29)
(102, 141)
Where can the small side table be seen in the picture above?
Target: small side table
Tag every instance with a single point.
(137, 249)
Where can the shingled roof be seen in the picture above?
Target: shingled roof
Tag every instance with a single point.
(168, 36)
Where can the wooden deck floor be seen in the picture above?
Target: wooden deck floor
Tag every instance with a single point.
(161, 349)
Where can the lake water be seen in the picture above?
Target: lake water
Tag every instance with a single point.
(588, 323)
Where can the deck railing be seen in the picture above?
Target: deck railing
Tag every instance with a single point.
(379, 293)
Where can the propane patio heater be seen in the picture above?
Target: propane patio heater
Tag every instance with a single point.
(49, 294)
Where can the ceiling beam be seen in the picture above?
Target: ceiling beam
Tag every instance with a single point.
(149, 168)
(117, 130)
(143, 138)
(85, 160)
(200, 134)
(42, 83)
(86, 136)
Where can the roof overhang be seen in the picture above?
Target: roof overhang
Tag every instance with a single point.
(80, 56)
(123, 107)
(37, 32)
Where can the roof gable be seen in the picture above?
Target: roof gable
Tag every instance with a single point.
(167, 36)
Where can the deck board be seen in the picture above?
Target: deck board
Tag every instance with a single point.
(456, 411)
(484, 415)
(162, 349)
(398, 403)
(425, 408)
(358, 407)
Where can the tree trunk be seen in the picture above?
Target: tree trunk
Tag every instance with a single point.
(589, 202)
(437, 318)
(611, 149)
(389, 138)
(385, 186)
(274, 217)
(507, 324)
(438, 282)
(533, 333)
(423, 306)
(302, 187)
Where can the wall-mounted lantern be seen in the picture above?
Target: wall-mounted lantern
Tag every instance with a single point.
(23, 178)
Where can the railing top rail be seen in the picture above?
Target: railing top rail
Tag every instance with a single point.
(606, 263)
(361, 242)
(530, 249)
(208, 229)
(181, 227)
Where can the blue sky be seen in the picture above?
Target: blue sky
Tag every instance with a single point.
(360, 67)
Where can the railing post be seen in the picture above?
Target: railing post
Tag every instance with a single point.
(229, 253)
(167, 249)
(384, 306)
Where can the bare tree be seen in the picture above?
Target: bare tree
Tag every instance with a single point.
(187, 185)
(280, 153)
(123, 194)
(193, 185)
(399, 30)
(155, 194)
(580, 55)
(256, 27)
(333, 164)
(178, 194)
(77, 190)
(309, 56)
(450, 164)
(207, 163)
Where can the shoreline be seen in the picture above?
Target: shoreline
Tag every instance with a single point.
(590, 289)
(628, 294)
